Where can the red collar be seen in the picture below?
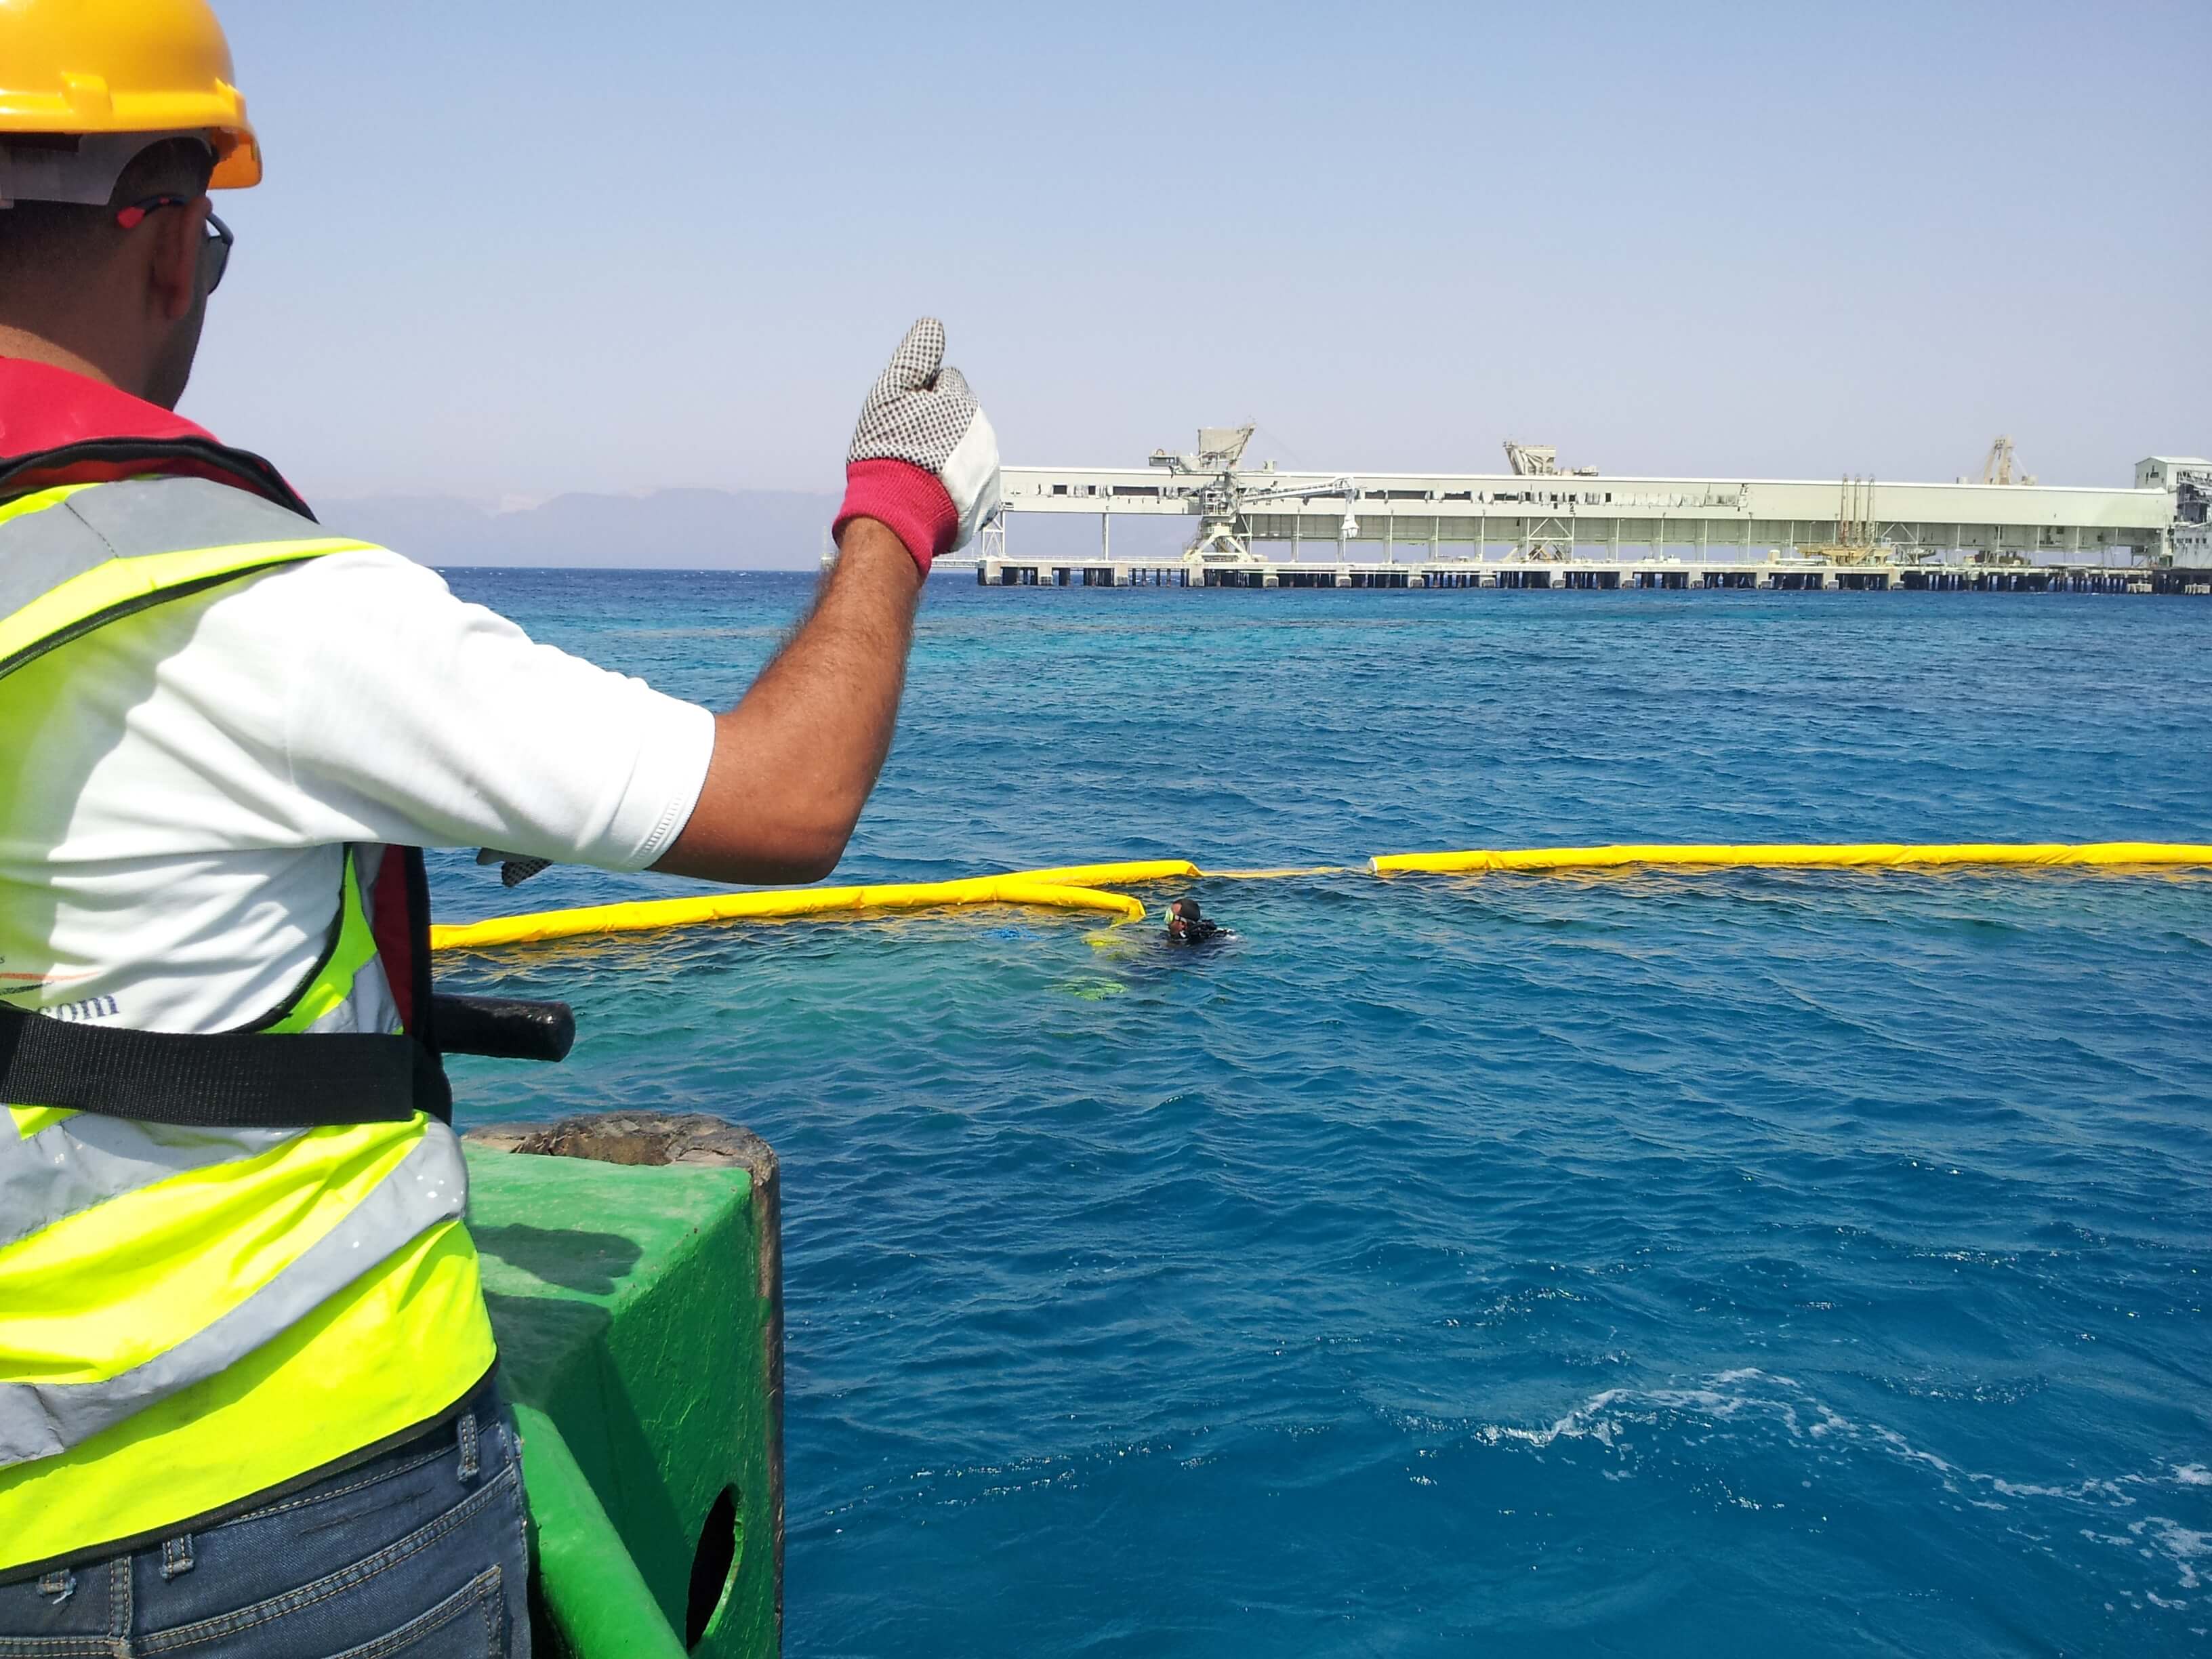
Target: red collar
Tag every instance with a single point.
(42, 407)
(56, 427)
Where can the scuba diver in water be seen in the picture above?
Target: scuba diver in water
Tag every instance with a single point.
(1187, 926)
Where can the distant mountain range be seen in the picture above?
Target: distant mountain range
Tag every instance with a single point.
(667, 530)
(662, 530)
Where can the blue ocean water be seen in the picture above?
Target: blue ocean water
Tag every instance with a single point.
(1805, 1263)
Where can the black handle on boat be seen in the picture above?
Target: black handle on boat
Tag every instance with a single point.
(504, 1028)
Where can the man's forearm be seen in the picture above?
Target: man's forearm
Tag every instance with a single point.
(794, 761)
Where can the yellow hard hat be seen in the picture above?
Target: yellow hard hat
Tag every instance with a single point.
(124, 66)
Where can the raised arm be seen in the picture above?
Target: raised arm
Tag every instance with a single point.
(794, 761)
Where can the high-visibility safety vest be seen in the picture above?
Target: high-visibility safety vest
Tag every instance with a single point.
(191, 1312)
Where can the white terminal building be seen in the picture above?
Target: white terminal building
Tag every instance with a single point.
(1537, 525)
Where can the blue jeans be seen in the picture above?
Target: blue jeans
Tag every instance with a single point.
(416, 1553)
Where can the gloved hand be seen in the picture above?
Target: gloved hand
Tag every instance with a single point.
(924, 459)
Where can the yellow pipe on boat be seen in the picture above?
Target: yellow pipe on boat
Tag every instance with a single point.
(644, 914)
(1868, 855)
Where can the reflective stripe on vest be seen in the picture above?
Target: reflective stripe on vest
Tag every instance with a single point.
(79, 557)
(188, 1316)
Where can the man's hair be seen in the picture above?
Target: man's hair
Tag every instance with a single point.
(1187, 909)
(37, 237)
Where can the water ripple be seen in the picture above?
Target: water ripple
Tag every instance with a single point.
(1626, 1263)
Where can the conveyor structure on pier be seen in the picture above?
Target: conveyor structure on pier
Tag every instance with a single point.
(1261, 527)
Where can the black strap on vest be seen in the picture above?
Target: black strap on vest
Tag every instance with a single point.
(231, 1080)
(194, 457)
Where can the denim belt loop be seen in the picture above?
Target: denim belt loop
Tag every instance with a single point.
(472, 1461)
(119, 1604)
(58, 1585)
(176, 1555)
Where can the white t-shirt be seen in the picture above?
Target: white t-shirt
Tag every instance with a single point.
(177, 787)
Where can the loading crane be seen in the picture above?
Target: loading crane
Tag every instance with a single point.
(1997, 466)
(1223, 533)
(1542, 461)
(1860, 538)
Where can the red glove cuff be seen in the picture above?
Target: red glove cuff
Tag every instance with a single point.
(916, 508)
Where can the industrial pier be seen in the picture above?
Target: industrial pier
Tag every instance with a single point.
(1626, 574)
(1538, 526)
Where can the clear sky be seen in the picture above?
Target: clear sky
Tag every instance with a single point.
(506, 249)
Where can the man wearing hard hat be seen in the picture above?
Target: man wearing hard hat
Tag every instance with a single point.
(247, 1402)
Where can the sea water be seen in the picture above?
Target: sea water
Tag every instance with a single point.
(1760, 1261)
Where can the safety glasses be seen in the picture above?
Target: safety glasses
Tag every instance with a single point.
(215, 246)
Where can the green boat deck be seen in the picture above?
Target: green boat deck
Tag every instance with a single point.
(639, 1312)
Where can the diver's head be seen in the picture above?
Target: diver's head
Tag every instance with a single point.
(1180, 914)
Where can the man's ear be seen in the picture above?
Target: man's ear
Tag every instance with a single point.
(172, 276)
